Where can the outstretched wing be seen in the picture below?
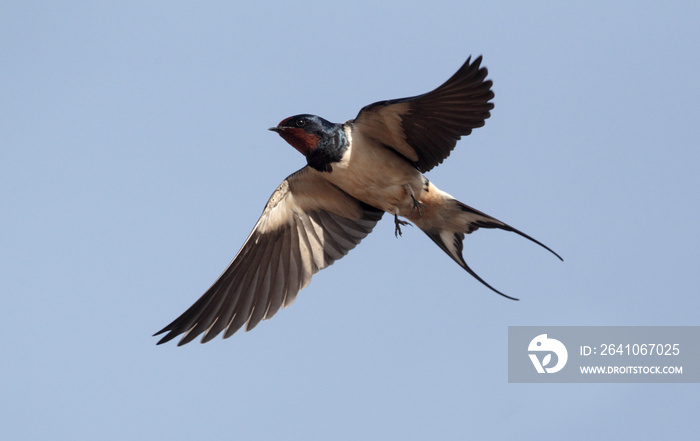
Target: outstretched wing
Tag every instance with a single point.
(426, 128)
(307, 224)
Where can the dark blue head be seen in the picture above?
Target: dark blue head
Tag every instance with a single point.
(304, 132)
(321, 141)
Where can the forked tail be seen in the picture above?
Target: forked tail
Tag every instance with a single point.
(461, 219)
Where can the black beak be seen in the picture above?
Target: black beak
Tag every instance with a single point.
(275, 129)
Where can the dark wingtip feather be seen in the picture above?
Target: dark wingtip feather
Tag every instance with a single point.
(166, 338)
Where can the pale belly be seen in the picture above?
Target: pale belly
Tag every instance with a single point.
(379, 177)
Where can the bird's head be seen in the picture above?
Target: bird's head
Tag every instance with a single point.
(304, 132)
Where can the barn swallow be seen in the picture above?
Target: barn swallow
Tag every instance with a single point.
(355, 172)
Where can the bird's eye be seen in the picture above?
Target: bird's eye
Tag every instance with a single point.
(301, 122)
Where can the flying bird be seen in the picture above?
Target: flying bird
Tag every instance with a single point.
(355, 172)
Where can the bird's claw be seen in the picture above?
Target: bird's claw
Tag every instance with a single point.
(398, 223)
(416, 207)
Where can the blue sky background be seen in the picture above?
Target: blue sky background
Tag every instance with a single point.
(135, 160)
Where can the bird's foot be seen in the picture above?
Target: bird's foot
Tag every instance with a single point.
(398, 223)
(417, 206)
